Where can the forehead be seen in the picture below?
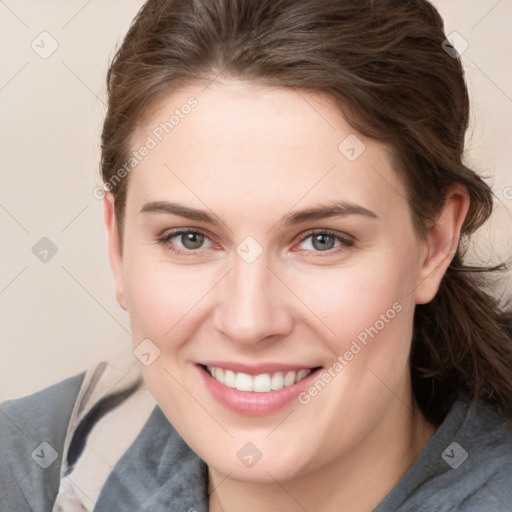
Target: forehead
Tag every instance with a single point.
(235, 141)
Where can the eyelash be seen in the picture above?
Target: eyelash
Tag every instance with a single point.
(166, 238)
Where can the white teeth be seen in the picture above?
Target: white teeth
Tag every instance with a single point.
(244, 382)
(277, 381)
(262, 383)
(301, 374)
(229, 379)
(289, 378)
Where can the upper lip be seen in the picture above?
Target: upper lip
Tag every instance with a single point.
(257, 369)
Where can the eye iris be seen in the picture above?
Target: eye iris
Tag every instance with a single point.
(323, 242)
(192, 240)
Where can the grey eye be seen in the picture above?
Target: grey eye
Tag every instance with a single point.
(323, 241)
(192, 240)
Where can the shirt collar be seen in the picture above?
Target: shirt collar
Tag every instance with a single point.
(158, 473)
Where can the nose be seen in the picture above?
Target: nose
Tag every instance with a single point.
(254, 306)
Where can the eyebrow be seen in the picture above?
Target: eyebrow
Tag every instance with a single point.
(332, 209)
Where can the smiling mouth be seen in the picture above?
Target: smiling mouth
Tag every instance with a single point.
(261, 383)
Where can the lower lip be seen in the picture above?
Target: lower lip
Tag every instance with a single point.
(252, 403)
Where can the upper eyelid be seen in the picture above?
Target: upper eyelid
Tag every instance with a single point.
(179, 231)
(344, 238)
(166, 236)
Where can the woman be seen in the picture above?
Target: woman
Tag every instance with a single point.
(287, 209)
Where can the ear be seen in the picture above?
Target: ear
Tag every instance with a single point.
(115, 249)
(441, 244)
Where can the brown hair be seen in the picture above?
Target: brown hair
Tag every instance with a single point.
(384, 65)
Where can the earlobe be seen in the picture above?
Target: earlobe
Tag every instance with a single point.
(441, 242)
(114, 247)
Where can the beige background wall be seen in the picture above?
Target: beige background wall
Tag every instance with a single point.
(59, 316)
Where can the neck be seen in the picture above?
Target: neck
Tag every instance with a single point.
(357, 481)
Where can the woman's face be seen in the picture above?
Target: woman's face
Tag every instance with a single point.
(300, 262)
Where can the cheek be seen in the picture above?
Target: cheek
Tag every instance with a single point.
(165, 306)
(370, 308)
(160, 297)
(350, 299)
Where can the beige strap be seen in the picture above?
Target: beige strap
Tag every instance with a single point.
(108, 439)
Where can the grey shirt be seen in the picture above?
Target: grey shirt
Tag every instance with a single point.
(466, 466)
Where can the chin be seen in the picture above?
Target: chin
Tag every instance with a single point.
(262, 472)
(265, 463)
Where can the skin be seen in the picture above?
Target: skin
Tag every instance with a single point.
(252, 155)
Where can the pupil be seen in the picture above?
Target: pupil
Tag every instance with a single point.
(323, 242)
(192, 240)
